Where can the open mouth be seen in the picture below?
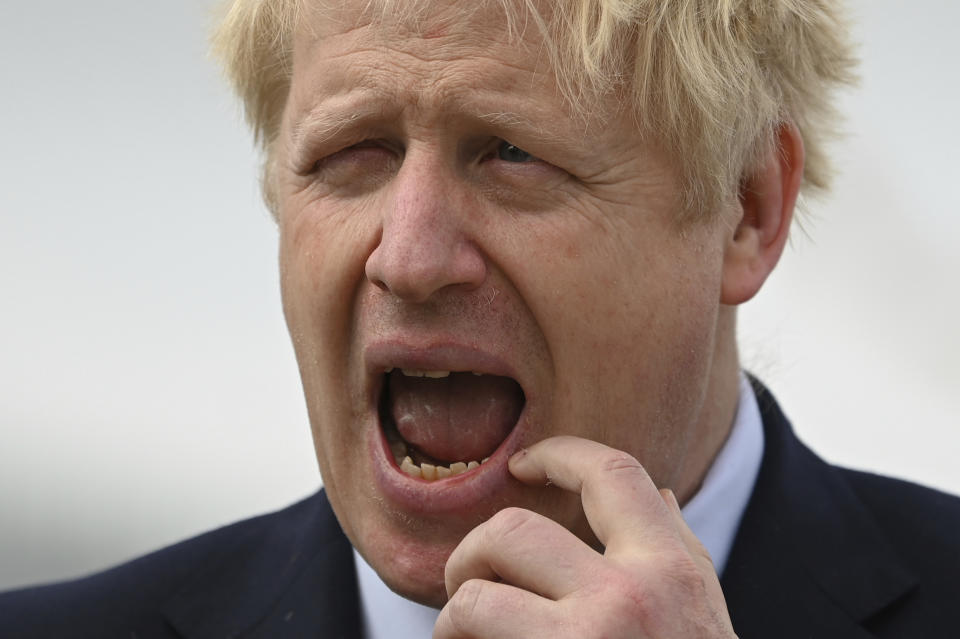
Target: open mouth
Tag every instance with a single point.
(439, 424)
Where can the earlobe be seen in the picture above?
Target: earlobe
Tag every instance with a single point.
(766, 204)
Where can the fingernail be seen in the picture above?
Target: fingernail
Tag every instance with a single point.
(517, 457)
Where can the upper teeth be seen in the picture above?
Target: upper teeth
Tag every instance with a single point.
(410, 372)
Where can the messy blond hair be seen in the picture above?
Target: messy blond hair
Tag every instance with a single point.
(710, 80)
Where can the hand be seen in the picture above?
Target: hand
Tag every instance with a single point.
(522, 575)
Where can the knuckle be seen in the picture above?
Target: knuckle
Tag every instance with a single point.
(464, 607)
(621, 463)
(508, 523)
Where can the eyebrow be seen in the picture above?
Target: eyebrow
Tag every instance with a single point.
(323, 122)
(334, 115)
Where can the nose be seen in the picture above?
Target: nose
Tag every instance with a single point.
(424, 245)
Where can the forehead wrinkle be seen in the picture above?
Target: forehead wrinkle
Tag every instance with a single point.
(443, 90)
(450, 102)
(406, 90)
(455, 93)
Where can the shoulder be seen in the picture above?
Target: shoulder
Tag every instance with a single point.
(923, 524)
(133, 595)
(922, 510)
(826, 551)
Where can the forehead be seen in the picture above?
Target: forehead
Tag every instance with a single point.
(353, 62)
(442, 37)
(445, 34)
(408, 37)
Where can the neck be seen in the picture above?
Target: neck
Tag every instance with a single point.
(717, 412)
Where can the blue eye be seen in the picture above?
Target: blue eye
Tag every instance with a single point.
(510, 153)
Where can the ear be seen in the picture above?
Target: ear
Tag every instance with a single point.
(766, 203)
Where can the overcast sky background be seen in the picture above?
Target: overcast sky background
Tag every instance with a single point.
(149, 391)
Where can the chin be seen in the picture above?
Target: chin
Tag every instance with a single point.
(414, 571)
(409, 554)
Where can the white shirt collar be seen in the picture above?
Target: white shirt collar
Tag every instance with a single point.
(713, 515)
(387, 615)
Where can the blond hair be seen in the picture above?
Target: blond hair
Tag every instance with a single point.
(710, 80)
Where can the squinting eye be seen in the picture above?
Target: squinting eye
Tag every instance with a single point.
(510, 153)
(367, 155)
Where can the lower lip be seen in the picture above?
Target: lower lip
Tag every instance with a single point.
(461, 494)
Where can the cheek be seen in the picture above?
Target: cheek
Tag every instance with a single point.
(629, 319)
(595, 289)
(322, 260)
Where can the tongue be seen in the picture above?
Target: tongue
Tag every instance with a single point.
(463, 417)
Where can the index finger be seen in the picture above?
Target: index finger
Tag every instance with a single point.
(621, 502)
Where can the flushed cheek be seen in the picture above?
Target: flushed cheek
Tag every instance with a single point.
(629, 324)
(322, 256)
(322, 251)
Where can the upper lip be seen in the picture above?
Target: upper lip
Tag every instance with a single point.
(432, 355)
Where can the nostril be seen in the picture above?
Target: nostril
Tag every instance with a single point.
(374, 270)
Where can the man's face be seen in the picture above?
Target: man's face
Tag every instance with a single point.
(442, 210)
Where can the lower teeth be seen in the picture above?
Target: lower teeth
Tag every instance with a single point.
(431, 472)
(423, 470)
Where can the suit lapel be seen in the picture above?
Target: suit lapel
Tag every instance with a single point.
(808, 560)
(323, 602)
(292, 577)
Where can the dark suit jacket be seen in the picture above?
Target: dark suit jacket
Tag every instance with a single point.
(821, 553)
